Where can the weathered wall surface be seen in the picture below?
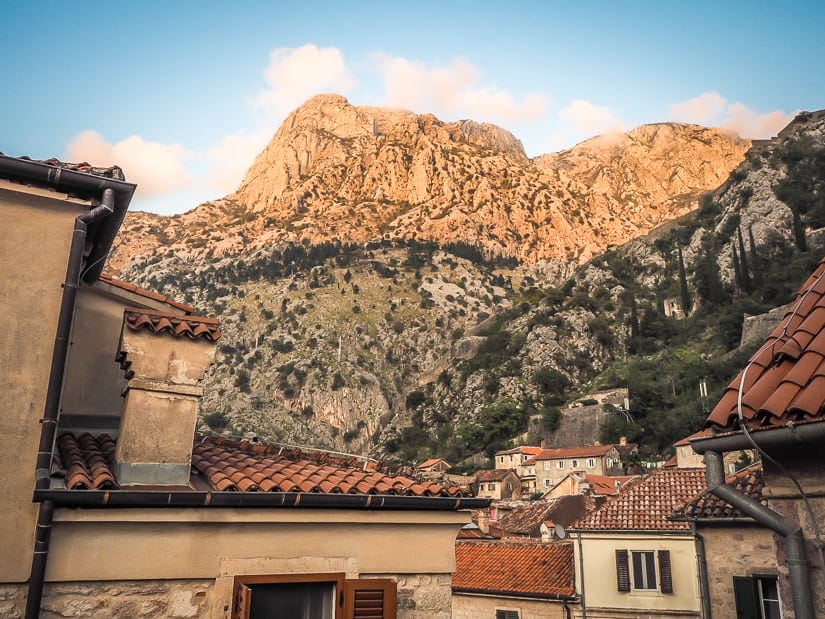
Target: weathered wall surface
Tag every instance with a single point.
(735, 551)
(34, 251)
(423, 596)
(154, 599)
(466, 606)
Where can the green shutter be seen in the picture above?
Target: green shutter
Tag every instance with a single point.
(744, 593)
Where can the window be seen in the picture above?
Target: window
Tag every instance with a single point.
(501, 459)
(548, 483)
(575, 464)
(313, 596)
(506, 614)
(636, 571)
(491, 486)
(560, 464)
(591, 463)
(757, 597)
(547, 465)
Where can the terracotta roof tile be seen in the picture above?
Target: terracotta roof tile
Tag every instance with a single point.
(608, 485)
(176, 325)
(240, 466)
(586, 451)
(785, 379)
(749, 481)
(527, 519)
(249, 467)
(108, 278)
(524, 449)
(541, 570)
(647, 505)
(87, 462)
(493, 474)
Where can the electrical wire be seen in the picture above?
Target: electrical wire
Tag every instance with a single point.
(760, 450)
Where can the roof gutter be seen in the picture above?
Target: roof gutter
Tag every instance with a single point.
(310, 500)
(89, 186)
(791, 532)
(781, 436)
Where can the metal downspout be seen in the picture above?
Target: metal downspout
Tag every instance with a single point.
(52, 407)
(581, 570)
(798, 573)
(702, 561)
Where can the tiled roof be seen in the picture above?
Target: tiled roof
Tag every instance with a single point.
(785, 379)
(527, 519)
(431, 462)
(493, 474)
(114, 172)
(234, 466)
(87, 462)
(586, 451)
(540, 570)
(244, 467)
(706, 506)
(608, 485)
(177, 325)
(109, 279)
(686, 441)
(524, 449)
(647, 505)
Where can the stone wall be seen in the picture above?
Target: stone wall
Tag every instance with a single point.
(149, 599)
(735, 551)
(466, 606)
(423, 596)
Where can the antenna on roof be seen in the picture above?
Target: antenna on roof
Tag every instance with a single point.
(561, 533)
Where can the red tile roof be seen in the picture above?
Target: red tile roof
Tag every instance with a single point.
(109, 279)
(608, 485)
(241, 466)
(527, 519)
(586, 451)
(244, 466)
(529, 569)
(176, 325)
(493, 474)
(706, 506)
(87, 462)
(524, 449)
(647, 505)
(431, 462)
(785, 379)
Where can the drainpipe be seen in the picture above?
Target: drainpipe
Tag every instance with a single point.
(581, 570)
(792, 533)
(702, 561)
(55, 387)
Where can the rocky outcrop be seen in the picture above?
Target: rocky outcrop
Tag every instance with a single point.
(336, 171)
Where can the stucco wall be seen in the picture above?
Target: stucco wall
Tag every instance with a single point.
(37, 234)
(735, 551)
(466, 606)
(600, 573)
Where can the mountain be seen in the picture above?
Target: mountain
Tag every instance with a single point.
(347, 327)
(335, 171)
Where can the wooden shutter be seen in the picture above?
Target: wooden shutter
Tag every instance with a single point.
(744, 593)
(370, 598)
(241, 602)
(665, 575)
(622, 571)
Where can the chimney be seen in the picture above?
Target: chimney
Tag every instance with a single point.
(165, 356)
(484, 521)
(623, 441)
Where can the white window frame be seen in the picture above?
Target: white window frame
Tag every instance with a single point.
(645, 574)
(591, 463)
(559, 464)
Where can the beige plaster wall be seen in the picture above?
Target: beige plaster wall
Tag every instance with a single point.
(467, 606)
(735, 551)
(37, 234)
(599, 552)
(177, 543)
(94, 380)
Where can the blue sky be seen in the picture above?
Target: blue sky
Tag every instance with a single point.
(183, 95)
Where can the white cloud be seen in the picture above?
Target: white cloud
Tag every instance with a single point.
(712, 109)
(294, 74)
(581, 120)
(230, 158)
(701, 110)
(156, 168)
(452, 91)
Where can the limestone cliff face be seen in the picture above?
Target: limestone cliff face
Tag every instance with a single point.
(334, 171)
